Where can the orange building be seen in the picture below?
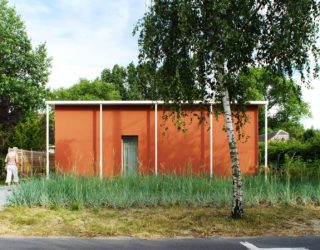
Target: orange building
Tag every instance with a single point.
(110, 138)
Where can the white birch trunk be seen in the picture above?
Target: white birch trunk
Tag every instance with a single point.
(237, 201)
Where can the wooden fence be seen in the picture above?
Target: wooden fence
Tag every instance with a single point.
(33, 163)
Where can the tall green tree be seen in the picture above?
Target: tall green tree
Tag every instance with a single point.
(117, 76)
(198, 49)
(285, 104)
(146, 82)
(133, 87)
(30, 133)
(87, 90)
(133, 82)
(24, 70)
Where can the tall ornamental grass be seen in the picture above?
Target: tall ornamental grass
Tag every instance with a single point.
(149, 191)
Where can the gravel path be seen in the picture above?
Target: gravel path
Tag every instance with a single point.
(5, 192)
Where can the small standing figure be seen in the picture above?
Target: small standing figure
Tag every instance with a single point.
(12, 166)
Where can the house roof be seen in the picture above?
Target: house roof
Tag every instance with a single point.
(273, 134)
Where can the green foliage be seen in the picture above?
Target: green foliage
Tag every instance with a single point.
(133, 83)
(306, 151)
(151, 191)
(310, 134)
(117, 76)
(24, 71)
(134, 91)
(29, 133)
(87, 90)
(195, 49)
(284, 99)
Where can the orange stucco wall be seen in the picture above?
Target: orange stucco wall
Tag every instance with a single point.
(77, 141)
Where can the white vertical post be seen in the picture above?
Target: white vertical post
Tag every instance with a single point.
(47, 141)
(22, 168)
(32, 168)
(156, 139)
(211, 146)
(266, 141)
(100, 141)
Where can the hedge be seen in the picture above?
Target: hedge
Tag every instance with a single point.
(308, 151)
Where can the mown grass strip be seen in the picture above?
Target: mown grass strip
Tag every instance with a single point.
(160, 221)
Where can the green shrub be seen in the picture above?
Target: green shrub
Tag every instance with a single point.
(308, 152)
(29, 133)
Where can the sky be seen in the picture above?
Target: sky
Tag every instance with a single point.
(85, 36)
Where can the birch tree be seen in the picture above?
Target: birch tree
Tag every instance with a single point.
(197, 49)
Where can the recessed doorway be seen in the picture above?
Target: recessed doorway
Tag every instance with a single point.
(129, 155)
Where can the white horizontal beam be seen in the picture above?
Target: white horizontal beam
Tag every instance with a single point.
(262, 103)
(53, 103)
(99, 102)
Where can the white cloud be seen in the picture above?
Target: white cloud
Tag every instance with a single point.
(85, 36)
(82, 36)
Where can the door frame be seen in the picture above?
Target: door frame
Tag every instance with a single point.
(122, 154)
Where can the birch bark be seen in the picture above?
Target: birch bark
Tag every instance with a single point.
(237, 201)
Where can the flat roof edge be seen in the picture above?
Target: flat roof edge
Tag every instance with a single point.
(53, 103)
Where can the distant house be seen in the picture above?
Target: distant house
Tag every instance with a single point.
(279, 135)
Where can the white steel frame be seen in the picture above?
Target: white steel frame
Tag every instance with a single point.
(155, 103)
(156, 139)
(211, 145)
(100, 142)
(47, 141)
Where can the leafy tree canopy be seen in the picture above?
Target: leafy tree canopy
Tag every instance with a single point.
(29, 133)
(24, 71)
(87, 90)
(193, 46)
(286, 107)
(310, 134)
(132, 82)
(117, 76)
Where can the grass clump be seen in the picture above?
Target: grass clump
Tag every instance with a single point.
(121, 192)
(77, 193)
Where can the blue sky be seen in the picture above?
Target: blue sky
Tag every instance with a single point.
(82, 36)
(85, 36)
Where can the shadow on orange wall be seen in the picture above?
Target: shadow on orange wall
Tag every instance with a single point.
(77, 141)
